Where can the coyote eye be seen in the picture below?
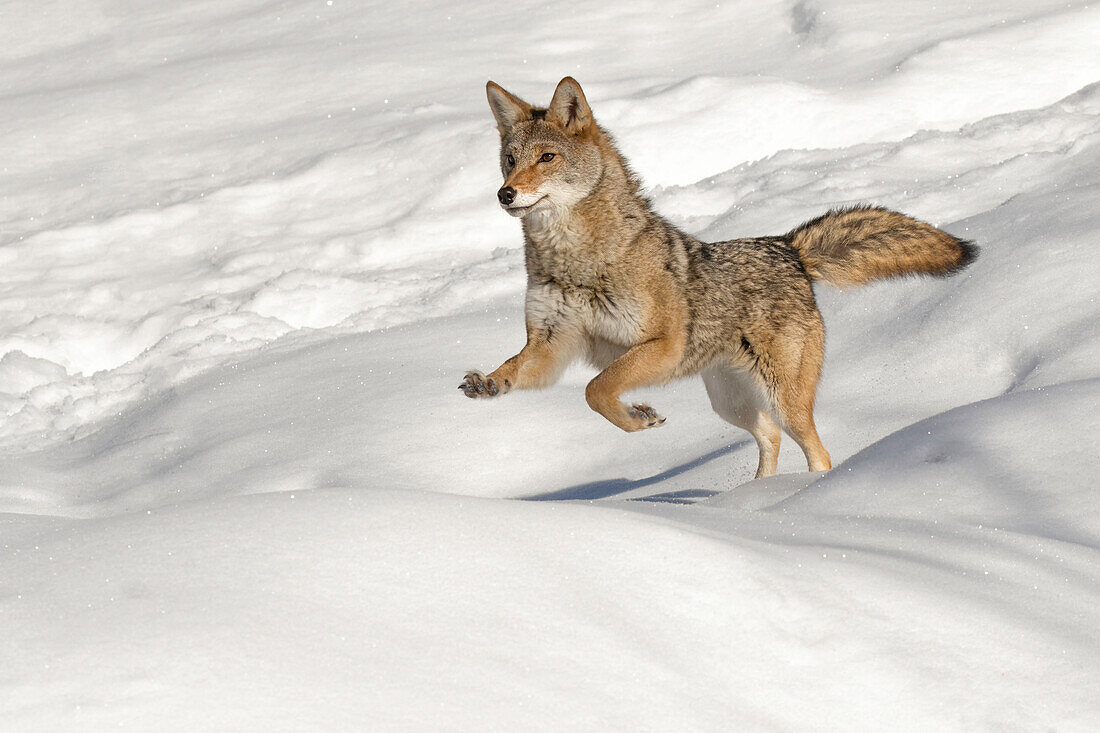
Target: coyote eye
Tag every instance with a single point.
(510, 161)
(546, 157)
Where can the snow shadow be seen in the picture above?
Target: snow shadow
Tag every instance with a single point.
(607, 488)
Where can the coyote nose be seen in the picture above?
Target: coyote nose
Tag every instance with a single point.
(506, 195)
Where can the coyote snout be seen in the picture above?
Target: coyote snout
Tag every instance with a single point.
(609, 280)
(516, 203)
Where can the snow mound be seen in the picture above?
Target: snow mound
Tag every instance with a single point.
(247, 250)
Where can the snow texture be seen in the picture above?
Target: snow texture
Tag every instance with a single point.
(248, 249)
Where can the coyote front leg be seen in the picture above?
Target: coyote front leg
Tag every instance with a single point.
(647, 363)
(537, 365)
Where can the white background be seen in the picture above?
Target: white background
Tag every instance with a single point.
(248, 249)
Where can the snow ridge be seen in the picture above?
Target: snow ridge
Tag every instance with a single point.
(248, 249)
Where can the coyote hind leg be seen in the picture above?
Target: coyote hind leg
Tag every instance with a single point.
(737, 398)
(794, 367)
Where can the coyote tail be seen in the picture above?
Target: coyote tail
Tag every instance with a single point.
(857, 245)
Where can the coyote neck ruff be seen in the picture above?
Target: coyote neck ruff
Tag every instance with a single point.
(575, 243)
(611, 281)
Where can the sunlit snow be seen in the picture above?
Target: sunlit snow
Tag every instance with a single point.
(248, 250)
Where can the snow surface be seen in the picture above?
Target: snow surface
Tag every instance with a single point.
(247, 250)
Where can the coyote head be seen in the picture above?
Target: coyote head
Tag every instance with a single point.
(550, 157)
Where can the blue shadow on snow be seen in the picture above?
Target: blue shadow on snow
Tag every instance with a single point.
(612, 487)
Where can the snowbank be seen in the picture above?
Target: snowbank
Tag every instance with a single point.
(247, 251)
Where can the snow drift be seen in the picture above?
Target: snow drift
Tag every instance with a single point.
(248, 250)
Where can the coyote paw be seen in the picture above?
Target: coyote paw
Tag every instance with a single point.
(646, 416)
(477, 385)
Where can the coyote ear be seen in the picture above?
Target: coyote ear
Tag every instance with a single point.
(569, 109)
(508, 109)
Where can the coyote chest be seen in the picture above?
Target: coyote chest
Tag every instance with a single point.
(593, 312)
(574, 290)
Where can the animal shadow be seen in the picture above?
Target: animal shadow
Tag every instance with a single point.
(607, 488)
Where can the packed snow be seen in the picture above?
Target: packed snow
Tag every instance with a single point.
(248, 250)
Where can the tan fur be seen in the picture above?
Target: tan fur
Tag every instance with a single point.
(611, 281)
(858, 245)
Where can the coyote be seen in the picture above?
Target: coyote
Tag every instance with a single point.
(609, 280)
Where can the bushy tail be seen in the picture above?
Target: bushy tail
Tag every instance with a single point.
(855, 246)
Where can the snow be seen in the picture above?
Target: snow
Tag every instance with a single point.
(247, 251)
